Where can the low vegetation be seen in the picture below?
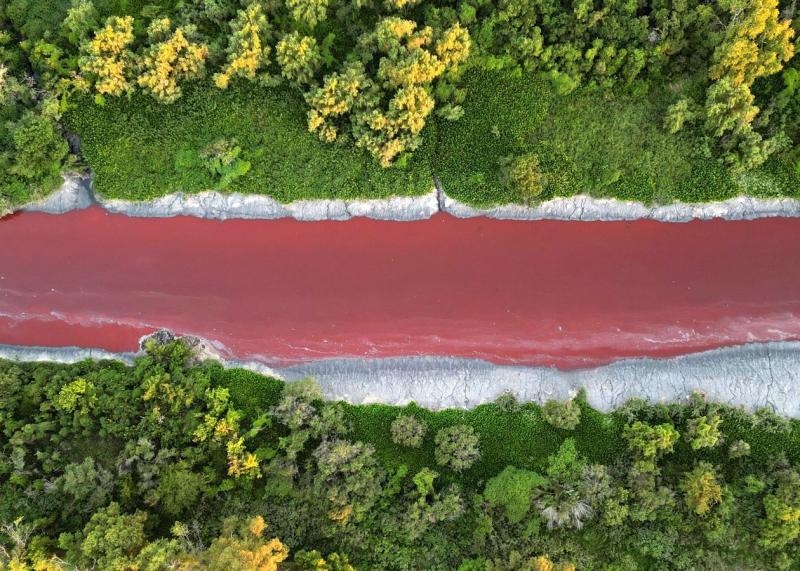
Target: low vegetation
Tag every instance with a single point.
(173, 463)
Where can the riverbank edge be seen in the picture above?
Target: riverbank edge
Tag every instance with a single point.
(751, 376)
(76, 193)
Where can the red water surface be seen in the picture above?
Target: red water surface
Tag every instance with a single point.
(569, 294)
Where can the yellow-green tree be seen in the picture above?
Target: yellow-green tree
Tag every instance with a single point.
(701, 489)
(107, 60)
(388, 112)
(756, 43)
(248, 50)
(335, 98)
(299, 58)
(308, 12)
(170, 59)
(241, 546)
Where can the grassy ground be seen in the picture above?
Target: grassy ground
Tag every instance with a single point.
(605, 144)
(522, 438)
(601, 143)
(132, 147)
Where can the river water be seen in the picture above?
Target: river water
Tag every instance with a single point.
(566, 294)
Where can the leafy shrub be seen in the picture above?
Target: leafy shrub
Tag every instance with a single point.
(738, 449)
(408, 431)
(222, 159)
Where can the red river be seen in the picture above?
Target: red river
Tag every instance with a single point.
(567, 294)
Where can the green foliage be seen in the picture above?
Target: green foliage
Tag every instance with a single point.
(565, 415)
(701, 488)
(513, 490)
(299, 57)
(408, 431)
(649, 441)
(523, 176)
(457, 447)
(222, 159)
(704, 431)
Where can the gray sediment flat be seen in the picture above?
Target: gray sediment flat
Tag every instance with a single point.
(76, 193)
(752, 376)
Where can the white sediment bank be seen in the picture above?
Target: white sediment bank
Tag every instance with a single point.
(76, 194)
(752, 376)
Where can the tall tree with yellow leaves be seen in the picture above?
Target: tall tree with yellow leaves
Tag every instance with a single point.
(248, 50)
(107, 60)
(170, 60)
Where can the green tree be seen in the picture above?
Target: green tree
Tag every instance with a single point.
(565, 415)
(308, 12)
(457, 447)
(701, 488)
(112, 540)
(649, 441)
(513, 489)
(408, 431)
(38, 151)
(248, 48)
(299, 58)
(349, 478)
(704, 432)
(782, 507)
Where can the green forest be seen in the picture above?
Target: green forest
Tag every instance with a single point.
(173, 463)
(499, 100)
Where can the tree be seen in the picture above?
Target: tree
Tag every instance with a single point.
(241, 546)
(335, 98)
(38, 151)
(681, 113)
(314, 561)
(704, 432)
(457, 447)
(701, 488)
(170, 60)
(106, 57)
(408, 431)
(386, 110)
(81, 19)
(299, 58)
(112, 540)
(565, 415)
(87, 484)
(248, 49)
(756, 43)
(513, 490)
(738, 449)
(781, 525)
(348, 477)
(648, 441)
(308, 12)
